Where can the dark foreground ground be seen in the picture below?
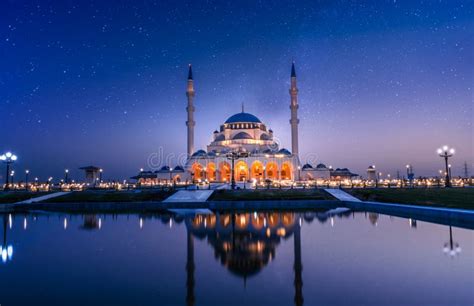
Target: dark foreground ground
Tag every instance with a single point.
(17, 196)
(142, 195)
(450, 198)
(446, 197)
(271, 194)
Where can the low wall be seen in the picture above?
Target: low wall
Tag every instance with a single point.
(446, 216)
(121, 207)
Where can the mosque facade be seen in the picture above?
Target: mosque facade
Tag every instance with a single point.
(261, 158)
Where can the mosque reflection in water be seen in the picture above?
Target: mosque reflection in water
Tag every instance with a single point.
(245, 243)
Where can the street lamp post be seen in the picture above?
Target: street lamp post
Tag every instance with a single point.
(233, 156)
(446, 152)
(409, 174)
(66, 172)
(100, 174)
(171, 175)
(8, 158)
(27, 172)
(12, 173)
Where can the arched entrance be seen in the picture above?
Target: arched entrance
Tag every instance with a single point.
(211, 172)
(256, 171)
(224, 170)
(198, 172)
(286, 171)
(241, 171)
(271, 171)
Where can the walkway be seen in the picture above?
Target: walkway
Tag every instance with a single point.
(45, 197)
(190, 196)
(341, 195)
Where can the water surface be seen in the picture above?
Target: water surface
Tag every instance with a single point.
(244, 258)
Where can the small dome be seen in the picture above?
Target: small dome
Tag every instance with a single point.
(307, 166)
(264, 137)
(321, 166)
(220, 137)
(178, 169)
(211, 154)
(215, 132)
(242, 135)
(199, 153)
(371, 167)
(243, 117)
(284, 152)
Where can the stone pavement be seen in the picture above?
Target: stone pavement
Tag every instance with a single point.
(45, 197)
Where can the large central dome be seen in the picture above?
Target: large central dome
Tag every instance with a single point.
(243, 117)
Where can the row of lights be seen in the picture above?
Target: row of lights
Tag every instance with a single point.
(445, 152)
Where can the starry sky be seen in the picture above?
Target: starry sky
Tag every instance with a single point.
(103, 82)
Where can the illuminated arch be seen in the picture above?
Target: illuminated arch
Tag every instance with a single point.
(198, 171)
(225, 220)
(256, 171)
(271, 171)
(242, 220)
(288, 219)
(210, 221)
(241, 171)
(211, 172)
(286, 171)
(258, 221)
(224, 170)
(273, 219)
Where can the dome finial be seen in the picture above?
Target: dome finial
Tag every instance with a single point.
(242, 107)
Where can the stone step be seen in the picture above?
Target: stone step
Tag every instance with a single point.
(341, 195)
(190, 196)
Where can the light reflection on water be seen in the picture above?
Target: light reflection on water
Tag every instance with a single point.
(251, 258)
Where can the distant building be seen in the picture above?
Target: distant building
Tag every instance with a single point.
(165, 174)
(308, 172)
(342, 174)
(371, 173)
(92, 173)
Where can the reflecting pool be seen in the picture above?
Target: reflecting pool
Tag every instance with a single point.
(234, 258)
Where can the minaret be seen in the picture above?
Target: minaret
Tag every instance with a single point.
(294, 111)
(190, 109)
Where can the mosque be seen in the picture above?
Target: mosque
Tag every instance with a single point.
(257, 156)
(246, 133)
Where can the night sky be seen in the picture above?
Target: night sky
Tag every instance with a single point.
(103, 82)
